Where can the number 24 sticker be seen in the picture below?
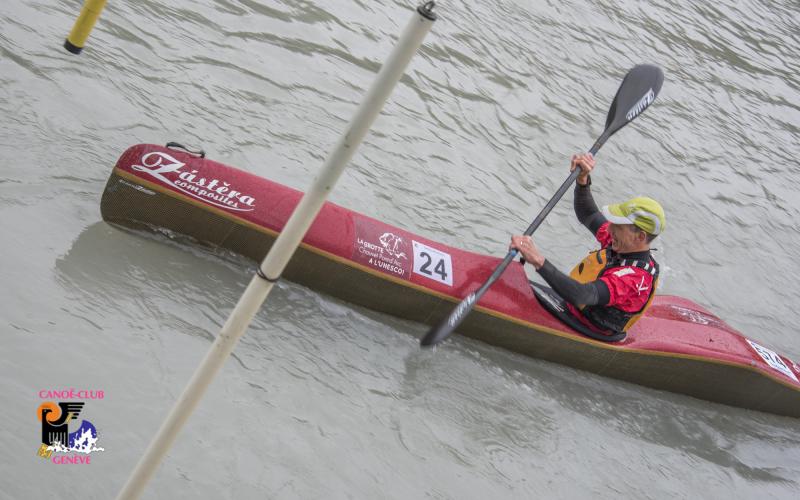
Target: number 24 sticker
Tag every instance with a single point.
(432, 263)
(772, 359)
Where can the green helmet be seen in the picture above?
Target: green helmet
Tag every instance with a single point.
(645, 213)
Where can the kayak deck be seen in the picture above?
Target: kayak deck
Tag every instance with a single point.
(677, 346)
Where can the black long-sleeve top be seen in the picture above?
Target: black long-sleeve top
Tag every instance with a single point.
(592, 293)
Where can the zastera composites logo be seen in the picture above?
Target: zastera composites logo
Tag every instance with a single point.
(63, 442)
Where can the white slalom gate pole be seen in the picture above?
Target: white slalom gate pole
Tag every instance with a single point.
(282, 250)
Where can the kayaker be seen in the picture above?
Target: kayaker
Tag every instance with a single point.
(612, 287)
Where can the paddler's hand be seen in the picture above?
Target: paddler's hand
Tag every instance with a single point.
(585, 162)
(527, 248)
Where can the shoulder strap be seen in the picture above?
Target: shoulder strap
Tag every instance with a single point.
(615, 261)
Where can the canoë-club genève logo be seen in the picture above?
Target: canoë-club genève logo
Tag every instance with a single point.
(63, 440)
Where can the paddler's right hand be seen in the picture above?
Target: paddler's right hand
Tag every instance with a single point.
(585, 162)
(527, 248)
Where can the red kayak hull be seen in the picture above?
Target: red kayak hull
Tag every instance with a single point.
(677, 346)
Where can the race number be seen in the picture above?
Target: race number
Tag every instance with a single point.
(432, 263)
(772, 359)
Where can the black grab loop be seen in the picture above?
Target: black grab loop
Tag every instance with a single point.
(177, 145)
(557, 306)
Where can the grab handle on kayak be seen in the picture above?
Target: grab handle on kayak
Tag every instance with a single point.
(177, 145)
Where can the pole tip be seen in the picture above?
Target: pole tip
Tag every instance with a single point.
(426, 10)
(71, 47)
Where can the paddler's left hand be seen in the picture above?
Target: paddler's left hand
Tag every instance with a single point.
(527, 248)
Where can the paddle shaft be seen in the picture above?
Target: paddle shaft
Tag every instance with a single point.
(535, 224)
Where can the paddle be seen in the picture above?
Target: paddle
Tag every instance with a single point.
(636, 92)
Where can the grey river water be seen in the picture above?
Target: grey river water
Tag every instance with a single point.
(323, 399)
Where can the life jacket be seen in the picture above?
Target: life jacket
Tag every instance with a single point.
(610, 318)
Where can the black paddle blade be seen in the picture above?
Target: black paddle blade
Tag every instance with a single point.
(450, 323)
(636, 92)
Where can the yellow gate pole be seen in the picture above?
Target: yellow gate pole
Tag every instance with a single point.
(83, 25)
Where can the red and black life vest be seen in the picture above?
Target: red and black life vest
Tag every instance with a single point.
(609, 318)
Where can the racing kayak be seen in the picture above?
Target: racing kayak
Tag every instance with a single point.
(677, 346)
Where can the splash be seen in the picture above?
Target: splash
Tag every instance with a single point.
(83, 440)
